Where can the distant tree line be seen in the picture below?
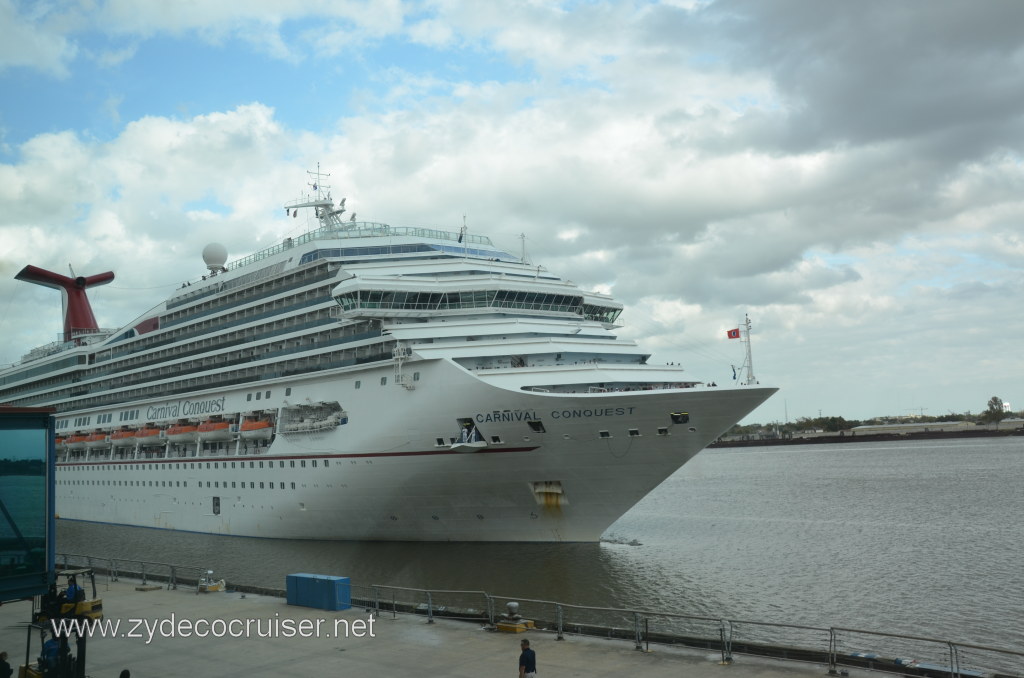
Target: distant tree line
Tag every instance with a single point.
(993, 413)
(22, 467)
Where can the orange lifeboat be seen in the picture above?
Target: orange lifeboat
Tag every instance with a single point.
(211, 430)
(148, 435)
(123, 438)
(257, 429)
(97, 439)
(76, 441)
(182, 433)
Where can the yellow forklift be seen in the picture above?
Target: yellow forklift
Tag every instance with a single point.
(57, 616)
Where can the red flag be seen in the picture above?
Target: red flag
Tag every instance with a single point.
(733, 334)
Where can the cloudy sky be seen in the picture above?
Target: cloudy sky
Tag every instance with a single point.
(849, 174)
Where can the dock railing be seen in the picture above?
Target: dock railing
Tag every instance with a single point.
(113, 569)
(838, 648)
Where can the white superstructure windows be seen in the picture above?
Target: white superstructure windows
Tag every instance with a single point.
(428, 302)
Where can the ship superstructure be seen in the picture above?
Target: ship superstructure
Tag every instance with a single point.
(363, 381)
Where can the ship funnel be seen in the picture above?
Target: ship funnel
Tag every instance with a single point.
(78, 316)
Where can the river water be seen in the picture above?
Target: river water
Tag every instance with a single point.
(921, 538)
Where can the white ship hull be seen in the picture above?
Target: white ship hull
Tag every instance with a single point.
(383, 476)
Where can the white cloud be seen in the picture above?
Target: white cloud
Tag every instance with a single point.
(698, 166)
(35, 41)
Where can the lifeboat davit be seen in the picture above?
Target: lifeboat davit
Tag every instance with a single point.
(215, 430)
(182, 433)
(257, 429)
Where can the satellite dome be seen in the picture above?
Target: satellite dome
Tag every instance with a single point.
(215, 255)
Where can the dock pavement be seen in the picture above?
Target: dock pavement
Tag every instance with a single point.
(156, 633)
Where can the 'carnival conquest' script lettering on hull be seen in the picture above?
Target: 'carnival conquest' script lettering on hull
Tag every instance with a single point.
(365, 382)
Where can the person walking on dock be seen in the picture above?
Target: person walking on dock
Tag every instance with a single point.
(5, 668)
(527, 660)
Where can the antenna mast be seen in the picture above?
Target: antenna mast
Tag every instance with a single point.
(749, 362)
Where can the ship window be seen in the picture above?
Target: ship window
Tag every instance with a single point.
(383, 380)
(248, 396)
(358, 384)
(261, 464)
(293, 486)
(282, 486)
(292, 463)
(261, 486)
(496, 439)
(232, 464)
(302, 463)
(252, 485)
(537, 426)
(216, 506)
(232, 484)
(267, 395)
(439, 441)
(662, 431)
(415, 376)
(314, 463)
(326, 462)
(258, 394)
(288, 391)
(604, 434)
(634, 432)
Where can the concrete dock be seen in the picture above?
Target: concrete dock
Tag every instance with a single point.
(158, 633)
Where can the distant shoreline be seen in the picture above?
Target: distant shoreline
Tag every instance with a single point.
(869, 438)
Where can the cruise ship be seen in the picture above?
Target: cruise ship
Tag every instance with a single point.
(364, 382)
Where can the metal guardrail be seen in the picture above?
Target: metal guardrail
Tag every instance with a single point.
(114, 568)
(837, 647)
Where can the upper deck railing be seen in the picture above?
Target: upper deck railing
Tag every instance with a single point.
(359, 229)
